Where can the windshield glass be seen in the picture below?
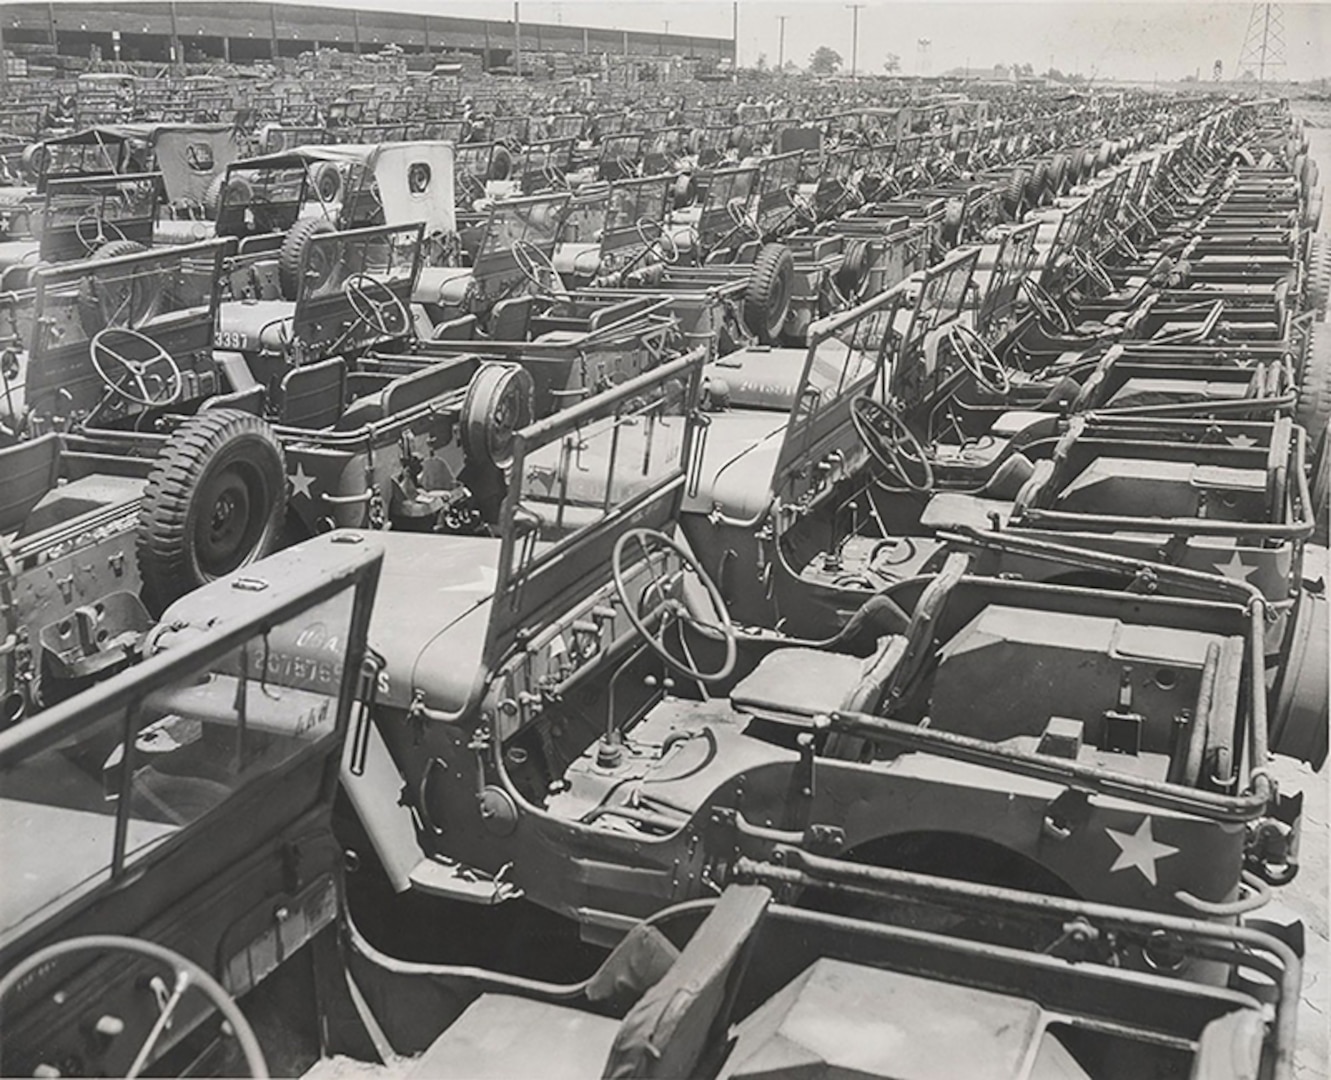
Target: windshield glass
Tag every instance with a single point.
(74, 159)
(95, 786)
(260, 199)
(532, 221)
(141, 292)
(79, 215)
(471, 167)
(1013, 261)
(633, 200)
(577, 469)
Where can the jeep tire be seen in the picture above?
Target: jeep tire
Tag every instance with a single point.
(215, 501)
(767, 298)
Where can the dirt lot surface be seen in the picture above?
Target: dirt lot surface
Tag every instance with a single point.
(1308, 893)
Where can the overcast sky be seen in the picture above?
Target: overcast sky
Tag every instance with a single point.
(1112, 40)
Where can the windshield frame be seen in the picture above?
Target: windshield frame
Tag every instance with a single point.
(127, 693)
(531, 581)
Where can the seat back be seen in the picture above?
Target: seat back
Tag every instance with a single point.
(668, 1031)
(442, 378)
(28, 470)
(313, 395)
(463, 328)
(901, 677)
(509, 319)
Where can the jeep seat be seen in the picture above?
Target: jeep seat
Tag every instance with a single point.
(665, 1034)
(795, 684)
(28, 470)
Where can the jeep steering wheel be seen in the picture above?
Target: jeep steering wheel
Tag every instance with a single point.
(100, 236)
(376, 305)
(979, 359)
(799, 202)
(554, 176)
(667, 608)
(744, 219)
(532, 262)
(1091, 268)
(184, 975)
(659, 241)
(106, 358)
(1045, 306)
(891, 443)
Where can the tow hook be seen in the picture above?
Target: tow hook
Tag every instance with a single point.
(1271, 849)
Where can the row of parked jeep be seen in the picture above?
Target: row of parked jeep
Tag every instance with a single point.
(866, 581)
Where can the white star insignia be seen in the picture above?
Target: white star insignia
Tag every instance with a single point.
(1241, 441)
(1139, 850)
(301, 481)
(1236, 568)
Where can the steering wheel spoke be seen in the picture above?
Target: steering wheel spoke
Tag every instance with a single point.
(891, 443)
(668, 608)
(1045, 306)
(979, 360)
(373, 302)
(116, 368)
(186, 975)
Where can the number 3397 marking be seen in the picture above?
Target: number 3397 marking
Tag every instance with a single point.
(230, 339)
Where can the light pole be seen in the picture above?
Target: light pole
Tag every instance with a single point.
(854, 38)
(781, 44)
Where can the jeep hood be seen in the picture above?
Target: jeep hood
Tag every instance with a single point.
(431, 616)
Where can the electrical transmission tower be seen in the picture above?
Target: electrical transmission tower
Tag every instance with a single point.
(1263, 52)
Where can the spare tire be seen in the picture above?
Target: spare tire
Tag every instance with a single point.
(499, 404)
(501, 164)
(685, 190)
(767, 298)
(238, 191)
(33, 161)
(856, 261)
(1058, 173)
(326, 181)
(114, 249)
(291, 257)
(1312, 408)
(1014, 190)
(1312, 214)
(215, 501)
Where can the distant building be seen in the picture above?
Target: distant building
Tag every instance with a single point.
(247, 32)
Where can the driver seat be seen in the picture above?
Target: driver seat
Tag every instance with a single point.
(793, 685)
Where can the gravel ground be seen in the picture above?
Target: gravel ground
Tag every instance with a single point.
(1308, 893)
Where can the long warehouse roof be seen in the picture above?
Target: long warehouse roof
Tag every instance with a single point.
(312, 22)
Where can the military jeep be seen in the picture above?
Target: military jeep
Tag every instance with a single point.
(168, 839)
(576, 693)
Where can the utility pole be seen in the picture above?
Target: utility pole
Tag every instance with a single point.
(517, 38)
(854, 39)
(734, 37)
(781, 44)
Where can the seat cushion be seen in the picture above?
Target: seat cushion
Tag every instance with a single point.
(502, 1037)
(796, 683)
(954, 510)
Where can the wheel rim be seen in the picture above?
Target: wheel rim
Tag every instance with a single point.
(229, 526)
